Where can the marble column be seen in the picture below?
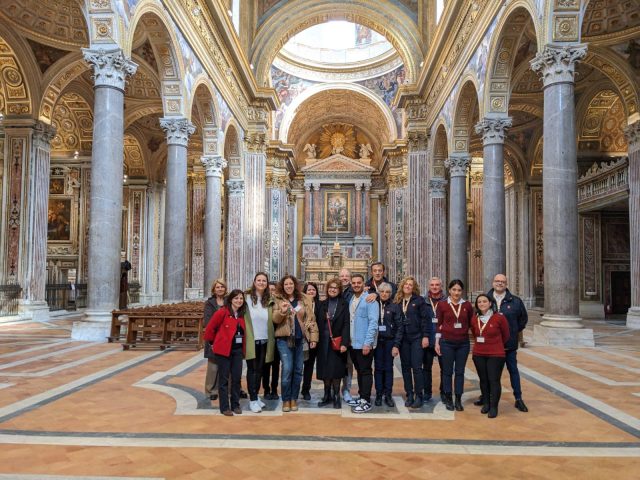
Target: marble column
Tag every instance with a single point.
(317, 210)
(33, 273)
(366, 214)
(213, 165)
(110, 68)
(494, 237)
(255, 164)
(458, 164)
(438, 194)
(277, 213)
(358, 229)
(234, 240)
(178, 130)
(632, 133)
(308, 208)
(561, 323)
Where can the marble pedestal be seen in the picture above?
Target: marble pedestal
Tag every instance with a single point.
(36, 311)
(562, 337)
(633, 318)
(94, 327)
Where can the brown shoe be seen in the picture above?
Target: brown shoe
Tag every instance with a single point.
(237, 411)
(228, 413)
(286, 406)
(294, 405)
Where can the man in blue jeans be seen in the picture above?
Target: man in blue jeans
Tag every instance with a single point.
(512, 308)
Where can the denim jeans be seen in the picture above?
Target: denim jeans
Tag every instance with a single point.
(292, 364)
(454, 358)
(514, 374)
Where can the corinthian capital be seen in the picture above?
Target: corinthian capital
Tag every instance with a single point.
(178, 130)
(235, 187)
(493, 130)
(557, 64)
(213, 165)
(458, 165)
(110, 67)
(43, 133)
(632, 133)
(438, 188)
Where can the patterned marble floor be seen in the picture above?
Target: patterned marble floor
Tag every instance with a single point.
(85, 411)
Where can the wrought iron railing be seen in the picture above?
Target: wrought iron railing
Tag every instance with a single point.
(9, 299)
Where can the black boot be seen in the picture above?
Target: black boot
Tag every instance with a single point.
(388, 399)
(417, 403)
(485, 408)
(337, 395)
(458, 404)
(493, 412)
(327, 399)
(480, 402)
(448, 401)
(409, 401)
(378, 401)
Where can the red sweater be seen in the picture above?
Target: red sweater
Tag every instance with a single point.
(495, 333)
(221, 330)
(447, 319)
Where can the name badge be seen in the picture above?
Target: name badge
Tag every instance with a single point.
(480, 339)
(382, 328)
(434, 320)
(457, 325)
(238, 339)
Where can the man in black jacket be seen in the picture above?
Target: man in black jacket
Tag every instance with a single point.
(512, 308)
(378, 278)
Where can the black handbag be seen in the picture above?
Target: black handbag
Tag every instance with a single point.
(208, 351)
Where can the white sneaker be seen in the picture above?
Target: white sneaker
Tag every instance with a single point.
(261, 403)
(363, 407)
(254, 406)
(354, 402)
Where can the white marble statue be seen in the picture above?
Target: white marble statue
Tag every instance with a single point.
(365, 151)
(310, 149)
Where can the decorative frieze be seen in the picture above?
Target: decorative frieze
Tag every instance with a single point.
(178, 130)
(557, 64)
(493, 130)
(110, 67)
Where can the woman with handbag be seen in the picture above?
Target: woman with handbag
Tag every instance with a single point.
(311, 289)
(227, 332)
(259, 320)
(333, 326)
(295, 321)
(214, 303)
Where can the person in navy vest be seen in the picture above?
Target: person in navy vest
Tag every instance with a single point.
(433, 296)
(387, 328)
(513, 308)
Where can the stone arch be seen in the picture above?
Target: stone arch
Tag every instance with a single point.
(505, 47)
(203, 103)
(233, 150)
(515, 160)
(467, 109)
(402, 33)
(19, 76)
(440, 149)
(55, 81)
(601, 125)
(159, 28)
(135, 164)
(73, 119)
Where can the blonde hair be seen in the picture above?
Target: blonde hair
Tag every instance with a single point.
(400, 294)
(221, 282)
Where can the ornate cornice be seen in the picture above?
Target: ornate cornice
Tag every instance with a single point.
(255, 142)
(557, 64)
(178, 130)
(632, 134)
(438, 188)
(277, 180)
(110, 67)
(458, 165)
(418, 140)
(493, 130)
(235, 188)
(213, 165)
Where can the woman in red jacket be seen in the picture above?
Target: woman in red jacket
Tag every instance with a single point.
(226, 330)
(491, 331)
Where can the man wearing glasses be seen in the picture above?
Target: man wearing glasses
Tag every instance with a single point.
(512, 308)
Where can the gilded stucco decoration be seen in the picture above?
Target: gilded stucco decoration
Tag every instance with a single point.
(59, 23)
(59, 81)
(14, 93)
(604, 19)
(73, 120)
(602, 127)
(466, 116)
(143, 84)
(133, 156)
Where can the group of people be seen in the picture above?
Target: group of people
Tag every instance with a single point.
(361, 324)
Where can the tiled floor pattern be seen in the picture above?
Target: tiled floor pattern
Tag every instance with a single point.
(78, 410)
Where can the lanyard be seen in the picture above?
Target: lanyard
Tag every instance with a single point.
(382, 313)
(457, 314)
(405, 306)
(433, 305)
(482, 327)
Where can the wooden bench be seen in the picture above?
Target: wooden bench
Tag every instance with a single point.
(174, 325)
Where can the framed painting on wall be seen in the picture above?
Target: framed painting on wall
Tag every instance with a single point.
(337, 211)
(59, 219)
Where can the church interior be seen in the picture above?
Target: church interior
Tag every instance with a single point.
(201, 139)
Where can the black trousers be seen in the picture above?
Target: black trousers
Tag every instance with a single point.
(271, 374)
(255, 367)
(411, 353)
(490, 371)
(307, 373)
(363, 365)
(454, 360)
(229, 370)
(427, 367)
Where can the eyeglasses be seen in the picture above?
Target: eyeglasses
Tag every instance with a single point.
(332, 288)
(499, 281)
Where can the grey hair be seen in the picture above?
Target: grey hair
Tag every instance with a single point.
(385, 286)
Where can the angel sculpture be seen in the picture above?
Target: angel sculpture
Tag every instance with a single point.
(365, 151)
(310, 149)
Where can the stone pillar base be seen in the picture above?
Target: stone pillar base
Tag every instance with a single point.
(561, 321)
(37, 311)
(633, 317)
(562, 337)
(94, 327)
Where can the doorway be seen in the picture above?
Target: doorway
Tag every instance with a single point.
(620, 292)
